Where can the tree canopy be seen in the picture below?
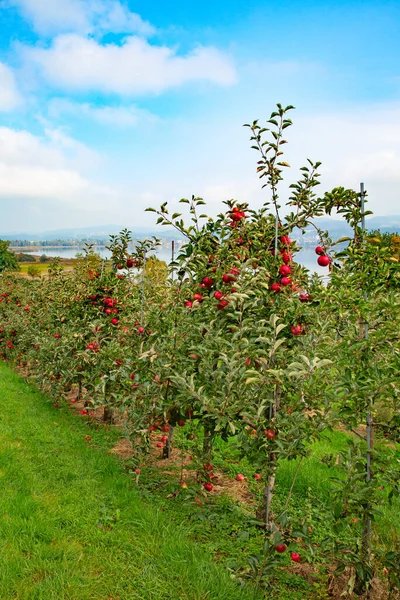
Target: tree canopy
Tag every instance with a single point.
(8, 260)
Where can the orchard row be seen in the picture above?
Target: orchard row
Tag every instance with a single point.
(238, 343)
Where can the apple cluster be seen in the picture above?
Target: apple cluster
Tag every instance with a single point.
(323, 258)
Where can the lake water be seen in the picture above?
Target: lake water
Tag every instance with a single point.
(305, 257)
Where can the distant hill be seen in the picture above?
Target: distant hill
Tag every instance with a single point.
(99, 232)
(336, 228)
(388, 224)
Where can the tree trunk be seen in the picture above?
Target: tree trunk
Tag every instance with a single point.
(108, 416)
(264, 513)
(360, 585)
(168, 446)
(208, 442)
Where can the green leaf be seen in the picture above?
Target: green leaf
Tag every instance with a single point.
(280, 327)
(276, 346)
(250, 380)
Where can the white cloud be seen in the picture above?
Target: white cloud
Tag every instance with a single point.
(117, 116)
(354, 145)
(84, 16)
(48, 167)
(361, 144)
(9, 95)
(136, 67)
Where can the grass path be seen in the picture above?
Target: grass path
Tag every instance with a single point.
(72, 525)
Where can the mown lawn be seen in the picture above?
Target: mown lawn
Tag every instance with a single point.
(72, 524)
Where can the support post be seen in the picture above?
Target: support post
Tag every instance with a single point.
(366, 536)
(173, 257)
(143, 290)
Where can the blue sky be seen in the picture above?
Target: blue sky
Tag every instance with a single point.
(107, 106)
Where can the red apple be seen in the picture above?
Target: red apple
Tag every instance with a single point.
(257, 476)
(270, 434)
(208, 486)
(208, 282)
(296, 329)
(286, 257)
(140, 330)
(319, 250)
(198, 297)
(284, 239)
(305, 297)
(160, 445)
(284, 270)
(295, 556)
(218, 295)
(240, 477)
(237, 216)
(222, 304)
(276, 287)
(181, 422)
(286, 281)
(129, 263)
(114, 321)
(227, 278)
(189, 304)
(137, 471)
(323, 261)
(280, 548)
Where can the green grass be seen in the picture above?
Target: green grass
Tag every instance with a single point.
(72, 523)
(315, 475)
(44, 267)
